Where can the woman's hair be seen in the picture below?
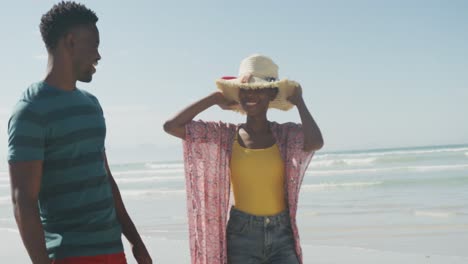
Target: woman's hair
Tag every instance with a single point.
(275, 90)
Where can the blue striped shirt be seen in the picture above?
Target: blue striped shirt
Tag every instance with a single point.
(66, 130)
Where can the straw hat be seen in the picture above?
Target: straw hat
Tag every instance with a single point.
(264, 74)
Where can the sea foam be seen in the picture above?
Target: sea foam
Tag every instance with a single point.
(331, 185)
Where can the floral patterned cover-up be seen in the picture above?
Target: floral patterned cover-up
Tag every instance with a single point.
(207, 154)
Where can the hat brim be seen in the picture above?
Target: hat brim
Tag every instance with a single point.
(230, 89)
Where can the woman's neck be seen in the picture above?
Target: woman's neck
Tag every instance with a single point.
(257, 124)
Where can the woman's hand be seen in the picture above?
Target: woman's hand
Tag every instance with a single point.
(296, 97)
(223, 102)
(312, 136)
(245, 78)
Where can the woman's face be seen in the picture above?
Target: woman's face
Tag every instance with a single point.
(256, 101)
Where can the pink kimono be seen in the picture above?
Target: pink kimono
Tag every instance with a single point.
(207, 154)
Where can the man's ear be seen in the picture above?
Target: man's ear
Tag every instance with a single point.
(69, 41)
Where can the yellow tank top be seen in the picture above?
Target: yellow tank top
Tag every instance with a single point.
(257, 180)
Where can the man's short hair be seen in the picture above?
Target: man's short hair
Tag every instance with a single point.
(61, 18)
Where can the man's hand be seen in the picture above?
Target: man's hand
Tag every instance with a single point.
(296, 97)
(141, 254)
(25, 180)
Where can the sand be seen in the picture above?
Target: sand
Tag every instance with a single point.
(176, 251)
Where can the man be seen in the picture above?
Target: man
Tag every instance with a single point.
(66, 203)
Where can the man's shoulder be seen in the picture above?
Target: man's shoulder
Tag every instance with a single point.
(86, 93)
(32, 94)
(38, 97)
(89, 95)
(30, 100)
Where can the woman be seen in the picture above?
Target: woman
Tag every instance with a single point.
(264, 163)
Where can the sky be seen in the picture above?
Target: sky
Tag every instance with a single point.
(375, 74)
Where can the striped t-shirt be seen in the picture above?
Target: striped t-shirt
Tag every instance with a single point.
(66, 130)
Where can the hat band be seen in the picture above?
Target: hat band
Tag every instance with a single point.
(270, 79)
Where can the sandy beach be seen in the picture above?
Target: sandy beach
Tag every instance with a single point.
(390, 206)
(176, 251)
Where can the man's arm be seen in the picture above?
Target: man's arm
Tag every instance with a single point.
(128, 228)
(25, 179)
(312, 136)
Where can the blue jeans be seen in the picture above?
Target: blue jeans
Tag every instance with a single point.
(260, 239)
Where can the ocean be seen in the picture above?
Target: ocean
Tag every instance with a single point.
(405, 200)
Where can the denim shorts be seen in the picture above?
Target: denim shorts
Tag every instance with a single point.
(260, 239)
